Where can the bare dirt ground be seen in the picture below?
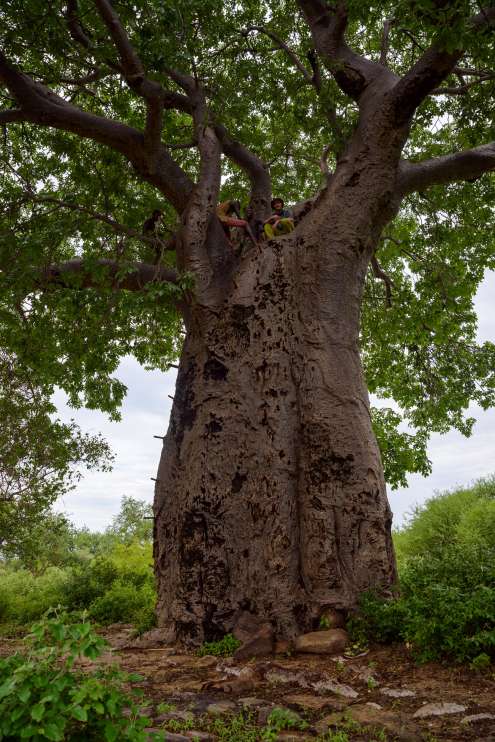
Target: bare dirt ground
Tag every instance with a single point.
(381, 696)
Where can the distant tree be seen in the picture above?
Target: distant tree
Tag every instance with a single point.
(376, 119)
(133, 522)
(41, 459)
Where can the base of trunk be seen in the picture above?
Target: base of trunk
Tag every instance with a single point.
(270, 496)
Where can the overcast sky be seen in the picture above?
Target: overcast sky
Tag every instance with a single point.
(456, 460)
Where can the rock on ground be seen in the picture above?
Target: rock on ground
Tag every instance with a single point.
(331, 641)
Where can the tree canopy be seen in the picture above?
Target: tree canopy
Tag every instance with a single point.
(81, 92)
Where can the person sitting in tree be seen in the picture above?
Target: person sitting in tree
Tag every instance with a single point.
(225, 212)
(280, 222)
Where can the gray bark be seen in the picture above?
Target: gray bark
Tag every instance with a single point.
(270, 494)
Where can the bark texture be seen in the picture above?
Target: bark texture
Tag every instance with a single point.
(270, 495)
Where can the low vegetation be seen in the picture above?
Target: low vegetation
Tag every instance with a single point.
(107, 574)
(444, 609)
(45, 696)
(446, 605)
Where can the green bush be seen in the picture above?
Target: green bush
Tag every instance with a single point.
(225, 647)
(42, 697)
(116, 586)
(122, 602)
(24, 597)
(458, 516)
(446, 607)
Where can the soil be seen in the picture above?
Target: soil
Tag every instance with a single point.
(318, 687)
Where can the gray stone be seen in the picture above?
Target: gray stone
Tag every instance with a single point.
(258, 644)
(372, 715)
(221, 708)
(280, 676)
(438, 709)
(251, 702)
(331, 641)
(311, 702)
(331, 686)
(477, 717)
(199, 736)
(397, 692)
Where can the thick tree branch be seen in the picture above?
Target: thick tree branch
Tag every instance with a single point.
(462, 89)
(467, 165)
(133, 70)
(97, 216)
(42, 106)
(128, 276)
(11, 116)
(352, 72)
(431, 69)
(76, 30)
(385, 40)
(256, 170)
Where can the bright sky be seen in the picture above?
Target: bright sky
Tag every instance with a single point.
(456, 460)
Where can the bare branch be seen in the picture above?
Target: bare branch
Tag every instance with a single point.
(467, 165)
(127, 276)
(462, 89)
(385, 40)
(380, 273)
(284, 47)
(431, 69)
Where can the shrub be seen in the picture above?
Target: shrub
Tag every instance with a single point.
(25, 597)
(117, 586)
(122, 602)
(446, 607)
(222, 648)
(43, 697)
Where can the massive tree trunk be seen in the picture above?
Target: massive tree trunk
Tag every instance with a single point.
(270, 494)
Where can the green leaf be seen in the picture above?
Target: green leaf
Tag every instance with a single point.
(38, 711)
(79, 713)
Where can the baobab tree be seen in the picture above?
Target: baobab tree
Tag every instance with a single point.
(270, 493)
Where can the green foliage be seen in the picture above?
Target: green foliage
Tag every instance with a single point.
(40, 460)
(224, 647)
(446, 606)
(25, 597)
(111, 579)
(421, 352)
(109, 593)
(134, 521)
(280, 719)
(42, 696)
(240, 728)
(463, 516)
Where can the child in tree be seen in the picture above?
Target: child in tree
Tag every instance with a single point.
(281, 221)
